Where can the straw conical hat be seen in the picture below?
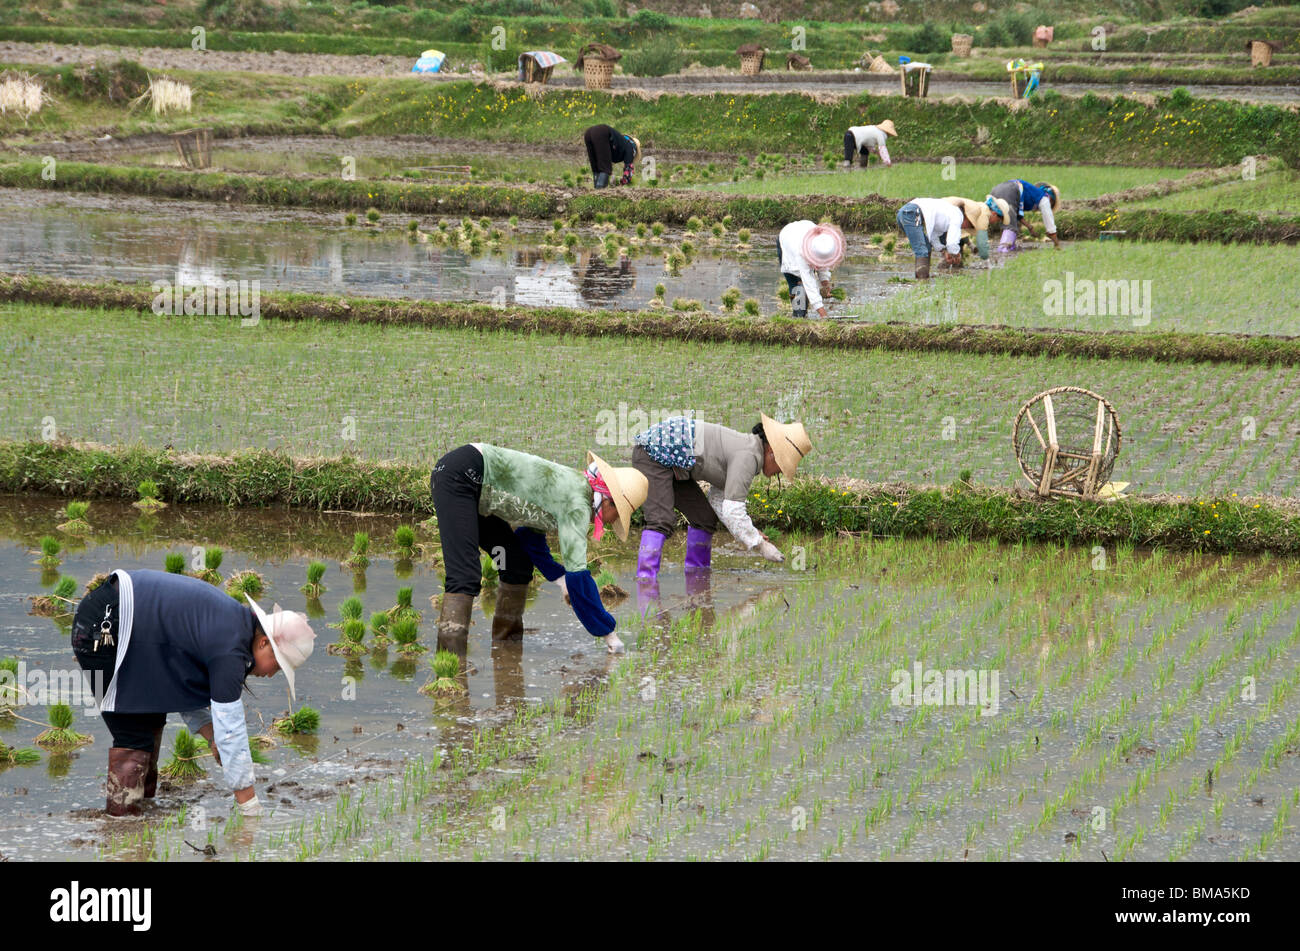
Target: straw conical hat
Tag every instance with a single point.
(887, 127)
(629, 488)
(1056, 193)
(789, 442)
(637, 143)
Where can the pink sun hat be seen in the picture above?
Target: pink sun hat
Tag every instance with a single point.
(291, 637)
(823, 246)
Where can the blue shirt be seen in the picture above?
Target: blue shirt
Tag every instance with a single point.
(1031, 195)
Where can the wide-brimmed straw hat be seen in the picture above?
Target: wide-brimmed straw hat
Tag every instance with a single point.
(637, 143)
(823, 246)
(1056, 193)
(291, 637)
(789, 442)
(887, 127)
(629, 489)
(1002, 206)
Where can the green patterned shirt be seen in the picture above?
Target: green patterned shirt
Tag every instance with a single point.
(527, 490)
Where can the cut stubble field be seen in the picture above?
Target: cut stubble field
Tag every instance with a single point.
(410, 394)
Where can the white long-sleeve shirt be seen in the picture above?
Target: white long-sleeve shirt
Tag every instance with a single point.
(942, 223)
(868, 136)
(793, 261)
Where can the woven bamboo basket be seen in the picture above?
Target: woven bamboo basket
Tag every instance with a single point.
(961, 44)
(751, 63)
(1073, 452)
(1261, 53)
(597, 73)
(194, 146)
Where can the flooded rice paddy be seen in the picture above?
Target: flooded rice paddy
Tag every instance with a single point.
(96, 238)
(1095, 705)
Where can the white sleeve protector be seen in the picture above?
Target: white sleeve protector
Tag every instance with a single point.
(735, 516)
(231, 735)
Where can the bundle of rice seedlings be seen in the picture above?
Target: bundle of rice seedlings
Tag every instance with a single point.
(50, 548)
(255, 751)
(350, 609)
(184, 766)
(57, 603)
(8, 685)
(21, 94)
(313, 587)
(445, 667)
(167, 95)
(351, 643)
(95, 582)
(148, 492)
(403, 606)
(60, 735)
(405, 632)
(302, 720)
(609, 587)
(248, 582)
(360, 545)
(405, 539)
(75, 515)
(490, 573)
(11, 756)
(379, 628)
(210, 572)
(174, 564)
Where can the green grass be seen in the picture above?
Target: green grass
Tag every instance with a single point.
(935, 179)
(875, 415)
(1270, 193)
(1238, 289)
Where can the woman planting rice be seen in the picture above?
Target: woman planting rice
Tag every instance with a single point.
(976, 219)
(605, 146)
(928, 222)
(862, 140)
(164, 643)
(806, 253)
(676, 452)
(479, 491)
(1023, 198)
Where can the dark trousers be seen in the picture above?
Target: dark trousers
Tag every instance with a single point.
(798, 296)
(132, 731)
(599, 154)
(668, 493)
(457, 484)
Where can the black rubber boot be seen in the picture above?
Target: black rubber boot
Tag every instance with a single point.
(602, 179)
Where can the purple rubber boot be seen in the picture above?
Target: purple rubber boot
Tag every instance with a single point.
(652, 546)
(699, 549)
(1008, 241)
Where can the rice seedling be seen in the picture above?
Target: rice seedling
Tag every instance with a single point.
(60, 735)
(302, 720)
(14, 756)
(730, 298)
(166, 95)
(315, 572)
(210, 572)
(360, 546)
(57, 603)
(247, 582)
(403, 607)
(8, 684)
(445, 665)
(352, 639)
(75, 519)
(95, 581)
(412, 226)
(350, 218)
(183, 768)
(379, 622)
(607, 584)
(174, 564)
(351, 608)
(405, 634)
(490, 572)
(372, 215)
(257, 753)
(50, 549)
(148, 501)
(751, 306)
(404, 538)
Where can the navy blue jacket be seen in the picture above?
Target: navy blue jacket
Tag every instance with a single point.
(190, 644)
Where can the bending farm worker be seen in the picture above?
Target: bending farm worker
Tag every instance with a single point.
(928, 222)
(605, 146)
(171, 643)
(674, 453)
(807, 253)
(1023, 198)
(480, 491)
(862, 140)
(976, 218)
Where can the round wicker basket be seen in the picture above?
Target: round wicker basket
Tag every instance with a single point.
(751, 63)
(1066, 441)
(961, 44)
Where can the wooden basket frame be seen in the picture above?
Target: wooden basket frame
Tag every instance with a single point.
(1070, 482)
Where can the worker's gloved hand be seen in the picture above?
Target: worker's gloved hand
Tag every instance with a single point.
(770, 551)
(253, 807)
(952, 260)
(613, 644)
